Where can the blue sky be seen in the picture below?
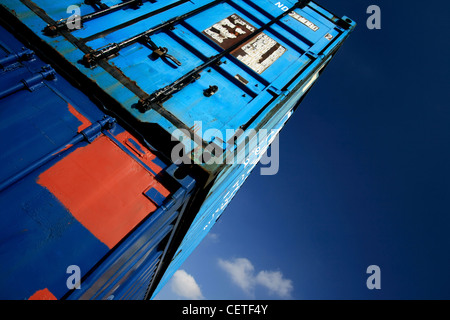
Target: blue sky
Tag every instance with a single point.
(364, 178)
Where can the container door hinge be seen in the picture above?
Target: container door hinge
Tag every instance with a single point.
(31, 83)
(24, 55)
(95, 130)
(35, 81)
(162, 95)
(160, 52)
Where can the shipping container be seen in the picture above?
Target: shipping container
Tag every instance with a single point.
(79, 194)
(208, 74)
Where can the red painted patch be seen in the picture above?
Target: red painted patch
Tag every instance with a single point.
(43, 294)
(143, 153)
(103, 188)
(85, 122)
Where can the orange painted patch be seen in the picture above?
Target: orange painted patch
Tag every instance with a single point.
(103, 188)
(143, 153)
(85, 122)
(43, 294)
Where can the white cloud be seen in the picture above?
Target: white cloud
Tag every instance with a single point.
(274, 281)
(185, 286)
(242, 273)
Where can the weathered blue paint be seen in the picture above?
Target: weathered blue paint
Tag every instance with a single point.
(40, 238)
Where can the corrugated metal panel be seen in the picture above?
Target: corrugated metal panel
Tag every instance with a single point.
(75, 188)
(231, 178)
(194, 65)
(117, 48)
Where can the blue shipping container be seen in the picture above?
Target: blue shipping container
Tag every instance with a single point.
(78, 192)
